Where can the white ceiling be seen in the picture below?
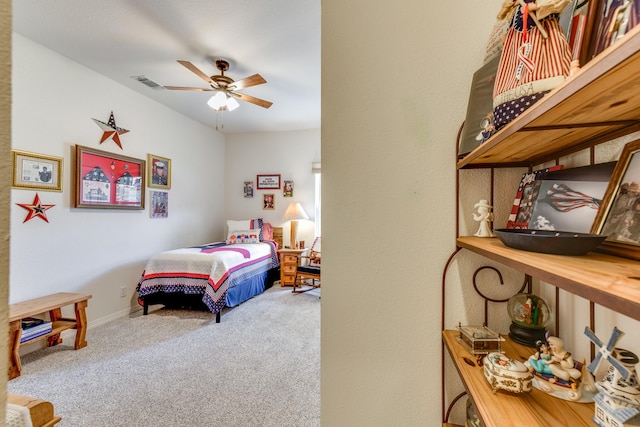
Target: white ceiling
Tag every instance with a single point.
(278, 39)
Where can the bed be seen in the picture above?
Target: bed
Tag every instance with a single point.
(211, 276)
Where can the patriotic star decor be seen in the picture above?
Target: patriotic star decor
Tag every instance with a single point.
(35, 209)
(110, 130)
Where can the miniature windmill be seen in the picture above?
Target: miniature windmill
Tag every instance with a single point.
(618, 403)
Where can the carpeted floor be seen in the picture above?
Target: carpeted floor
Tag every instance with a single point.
(259, 367)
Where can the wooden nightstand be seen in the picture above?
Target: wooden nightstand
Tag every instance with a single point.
(289, 261)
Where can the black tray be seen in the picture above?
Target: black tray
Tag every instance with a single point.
(549, 242)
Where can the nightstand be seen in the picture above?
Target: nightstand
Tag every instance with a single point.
(289, 261)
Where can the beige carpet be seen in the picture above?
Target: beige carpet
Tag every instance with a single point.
(259, 367)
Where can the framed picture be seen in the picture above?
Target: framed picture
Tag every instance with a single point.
(569, 199)
(159, 172)
(478, 123)
(619, 215)
(268, 201)
(106, 180)
(576, 25)
(159, 204)
(247, 189)
(526, 197)
(613, 19)
(36, 171)
(268, 182)
(287, 189)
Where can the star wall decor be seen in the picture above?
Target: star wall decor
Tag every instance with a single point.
(110, 130)
(35, 209)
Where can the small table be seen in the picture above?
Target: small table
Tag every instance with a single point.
(51, 304)
(289, 262)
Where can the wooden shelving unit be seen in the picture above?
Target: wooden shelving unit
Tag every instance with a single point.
(507, 409)
(604, 279)
(599, 103)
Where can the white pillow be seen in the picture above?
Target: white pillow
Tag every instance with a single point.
(243, 236)
(233, 225)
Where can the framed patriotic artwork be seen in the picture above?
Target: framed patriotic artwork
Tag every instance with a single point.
(32, 171)
(106, 180)
(569, 199)
(526, 197)
(619, 215)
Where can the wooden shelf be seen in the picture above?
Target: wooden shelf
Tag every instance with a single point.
(58, 326)
(502, 408)
(600, 102)
(604, 279)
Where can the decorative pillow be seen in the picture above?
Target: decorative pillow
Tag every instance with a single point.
(238, 225)
(267, 232)
(243, 236)
(257, 223)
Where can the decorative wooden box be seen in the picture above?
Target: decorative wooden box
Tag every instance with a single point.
(480, 339)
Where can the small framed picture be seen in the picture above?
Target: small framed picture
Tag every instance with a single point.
(36, 171)
(268, 201)
(268, 182)
(569, 199)
(287, 189)
(613, 19)
(159, 204)
(247, 189)
(619, 214)
(159, 172)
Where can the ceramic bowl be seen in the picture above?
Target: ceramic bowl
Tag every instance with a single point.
(549, 242)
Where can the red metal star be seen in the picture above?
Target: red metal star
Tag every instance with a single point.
(35, 209)
(110, 130)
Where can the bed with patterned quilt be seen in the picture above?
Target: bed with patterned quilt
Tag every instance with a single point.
(210, 276)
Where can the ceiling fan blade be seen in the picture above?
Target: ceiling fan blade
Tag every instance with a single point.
(188, 88)
(253, 100)
(254, 80)
(195, 70)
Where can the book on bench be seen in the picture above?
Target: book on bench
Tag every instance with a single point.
(33, 328)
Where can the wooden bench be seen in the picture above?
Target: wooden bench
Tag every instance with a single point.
(41, 411)
(51, 304)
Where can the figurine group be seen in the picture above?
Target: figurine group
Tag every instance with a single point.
(554, 364)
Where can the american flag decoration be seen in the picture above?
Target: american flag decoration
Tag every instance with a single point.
(110, 130)
(518, 217)
(564, 199)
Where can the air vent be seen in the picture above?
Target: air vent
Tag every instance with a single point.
(146, 81)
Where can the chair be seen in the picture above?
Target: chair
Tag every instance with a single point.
(308, 271)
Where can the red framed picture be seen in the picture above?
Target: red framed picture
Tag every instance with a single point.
(268, 182)
(526, 197)
(106, 180)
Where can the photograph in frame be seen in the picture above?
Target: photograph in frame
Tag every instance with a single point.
(619, 217)
(526, 197)
(268, 201)
(159, 204)
(287, 188)
(159, 174)
(108, 181)
(247, 189)
(569, 199)
(35, 171)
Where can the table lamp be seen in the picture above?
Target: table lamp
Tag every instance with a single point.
(293, 213)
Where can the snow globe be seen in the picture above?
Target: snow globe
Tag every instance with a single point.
(529, 316)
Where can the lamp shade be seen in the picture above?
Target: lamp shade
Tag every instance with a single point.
(294, 212)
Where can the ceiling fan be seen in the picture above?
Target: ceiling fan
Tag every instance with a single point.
(225, 87)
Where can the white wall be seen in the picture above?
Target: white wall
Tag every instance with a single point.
(289, 154)
(99, 250)
(396, 82)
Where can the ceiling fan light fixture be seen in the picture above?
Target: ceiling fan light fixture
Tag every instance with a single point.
(232, 104)
(218, 100)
